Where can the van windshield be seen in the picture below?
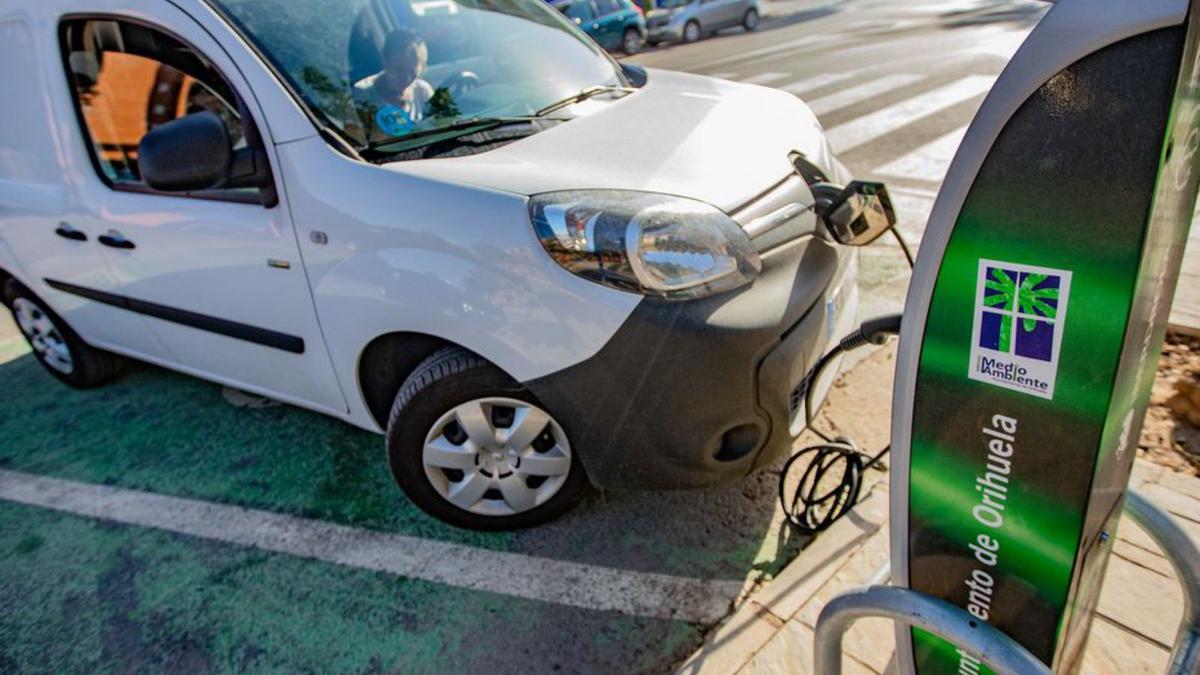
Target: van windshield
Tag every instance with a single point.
(387, 72)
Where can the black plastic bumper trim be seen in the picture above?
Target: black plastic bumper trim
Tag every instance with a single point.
(672, 399)
(212, 324)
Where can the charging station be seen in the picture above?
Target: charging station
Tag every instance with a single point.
(1033, 325)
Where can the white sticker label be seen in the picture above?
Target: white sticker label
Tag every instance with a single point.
(1020, 312)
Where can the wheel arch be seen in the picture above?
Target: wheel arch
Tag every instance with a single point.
(387, 361)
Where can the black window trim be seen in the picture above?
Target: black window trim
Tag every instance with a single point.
(142, 188)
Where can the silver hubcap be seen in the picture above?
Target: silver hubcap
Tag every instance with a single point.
(691, 32)
(44, 336)
(496, 456)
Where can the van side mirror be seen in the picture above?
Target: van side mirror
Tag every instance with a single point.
(860, 213)
(634, 74)
(194, 153)
(186, 154)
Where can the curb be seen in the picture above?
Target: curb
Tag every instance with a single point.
(736, 641)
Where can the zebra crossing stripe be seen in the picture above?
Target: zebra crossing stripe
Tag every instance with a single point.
(863, 130)
(862, 92)
(765, 78)
(778, 48)
(928, 162)
(816, 82)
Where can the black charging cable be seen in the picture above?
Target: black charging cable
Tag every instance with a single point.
(838, 462)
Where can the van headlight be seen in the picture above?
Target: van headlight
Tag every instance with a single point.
(643, 242)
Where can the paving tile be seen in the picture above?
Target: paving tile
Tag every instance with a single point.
(734, 642)
(800, 580)
(791, 653)
(1141, 600)
(1185, 311)
(1145, 472)
(1128, 530)
(1187, 508)
(1133, 533)
(854, 574)
(1180, 482)
(1138, 555)
(1111, 649)
(872, 641)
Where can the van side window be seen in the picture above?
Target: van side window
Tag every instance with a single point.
(128, 79)
(580, 10)
(606, 7)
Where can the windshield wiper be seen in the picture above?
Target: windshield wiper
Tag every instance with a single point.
(583, 95)
(465, 126)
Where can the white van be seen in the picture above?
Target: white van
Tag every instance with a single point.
(461, 224)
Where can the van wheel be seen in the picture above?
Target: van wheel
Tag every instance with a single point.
(691, 32)
(750, 20)
(631, 42)
(58, 348)
(472, 447)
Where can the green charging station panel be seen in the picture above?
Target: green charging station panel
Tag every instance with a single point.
(1034, 322)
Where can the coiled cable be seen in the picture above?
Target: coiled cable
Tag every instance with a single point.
(813, 506)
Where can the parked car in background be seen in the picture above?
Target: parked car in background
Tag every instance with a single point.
(689, 20)
(614, 24)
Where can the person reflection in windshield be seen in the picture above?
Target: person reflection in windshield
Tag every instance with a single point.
(395, 98)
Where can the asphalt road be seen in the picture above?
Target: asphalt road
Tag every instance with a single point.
(895, 85)
(154, 526)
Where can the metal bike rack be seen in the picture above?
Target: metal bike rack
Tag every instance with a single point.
(1181, 551)
(992, 647)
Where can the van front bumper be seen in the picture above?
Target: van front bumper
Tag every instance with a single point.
(692, 393)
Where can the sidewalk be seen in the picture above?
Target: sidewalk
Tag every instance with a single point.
(772, 632)
(1185, 312)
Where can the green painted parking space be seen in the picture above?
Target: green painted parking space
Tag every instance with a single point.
(84, 596)
(182, 604)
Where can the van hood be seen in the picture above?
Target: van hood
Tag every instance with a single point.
(713, 140)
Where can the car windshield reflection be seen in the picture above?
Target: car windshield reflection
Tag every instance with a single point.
(375, 71)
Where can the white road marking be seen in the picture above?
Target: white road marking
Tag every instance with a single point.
(862, 92)
(777, 48)
(765, 78)
(566, 583)
(869, 127)
(817, 81)
(723, 76)
(928, 162)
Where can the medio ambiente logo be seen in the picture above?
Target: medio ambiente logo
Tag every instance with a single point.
(1020, 311)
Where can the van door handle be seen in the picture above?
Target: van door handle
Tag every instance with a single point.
(65, 231)
(114, 239)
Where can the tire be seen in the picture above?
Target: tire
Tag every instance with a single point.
(691, 31)
(750, 20)
(631, 42)
(495, 490)
(56, 346)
